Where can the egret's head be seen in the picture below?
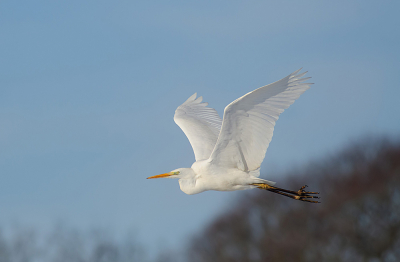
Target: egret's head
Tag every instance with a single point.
(173, 174)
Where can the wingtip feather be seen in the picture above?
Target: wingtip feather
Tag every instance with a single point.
(199, 99)
(297, 71)
(190, 99)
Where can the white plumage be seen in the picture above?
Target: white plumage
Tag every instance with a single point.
(201, 124)
(229, 153)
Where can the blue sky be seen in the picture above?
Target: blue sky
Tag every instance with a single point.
(88, 90)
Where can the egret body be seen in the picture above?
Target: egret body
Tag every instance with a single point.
(229, 152)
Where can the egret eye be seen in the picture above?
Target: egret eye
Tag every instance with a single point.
(176, 173)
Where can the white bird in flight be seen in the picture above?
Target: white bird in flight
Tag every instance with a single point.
(229, 152)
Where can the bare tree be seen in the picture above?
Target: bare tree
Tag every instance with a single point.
(65, 244)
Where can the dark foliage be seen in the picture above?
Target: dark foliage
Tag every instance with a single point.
(358, 219)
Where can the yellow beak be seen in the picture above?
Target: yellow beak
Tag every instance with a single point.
(162, 175)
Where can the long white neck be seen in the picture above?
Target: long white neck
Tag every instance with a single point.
(189, 183)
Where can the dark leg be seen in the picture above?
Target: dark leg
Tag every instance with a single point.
(298, 195)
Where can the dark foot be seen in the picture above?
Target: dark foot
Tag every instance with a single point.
(302, 192)
(298, 195)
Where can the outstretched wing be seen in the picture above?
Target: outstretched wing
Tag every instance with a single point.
(249, 121)
(201, 125)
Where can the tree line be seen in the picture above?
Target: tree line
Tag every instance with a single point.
(358, 220)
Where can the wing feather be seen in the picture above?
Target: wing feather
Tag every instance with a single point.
(249, 122)
(201, 125)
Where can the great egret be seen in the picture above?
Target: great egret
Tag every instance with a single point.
(229, 153)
